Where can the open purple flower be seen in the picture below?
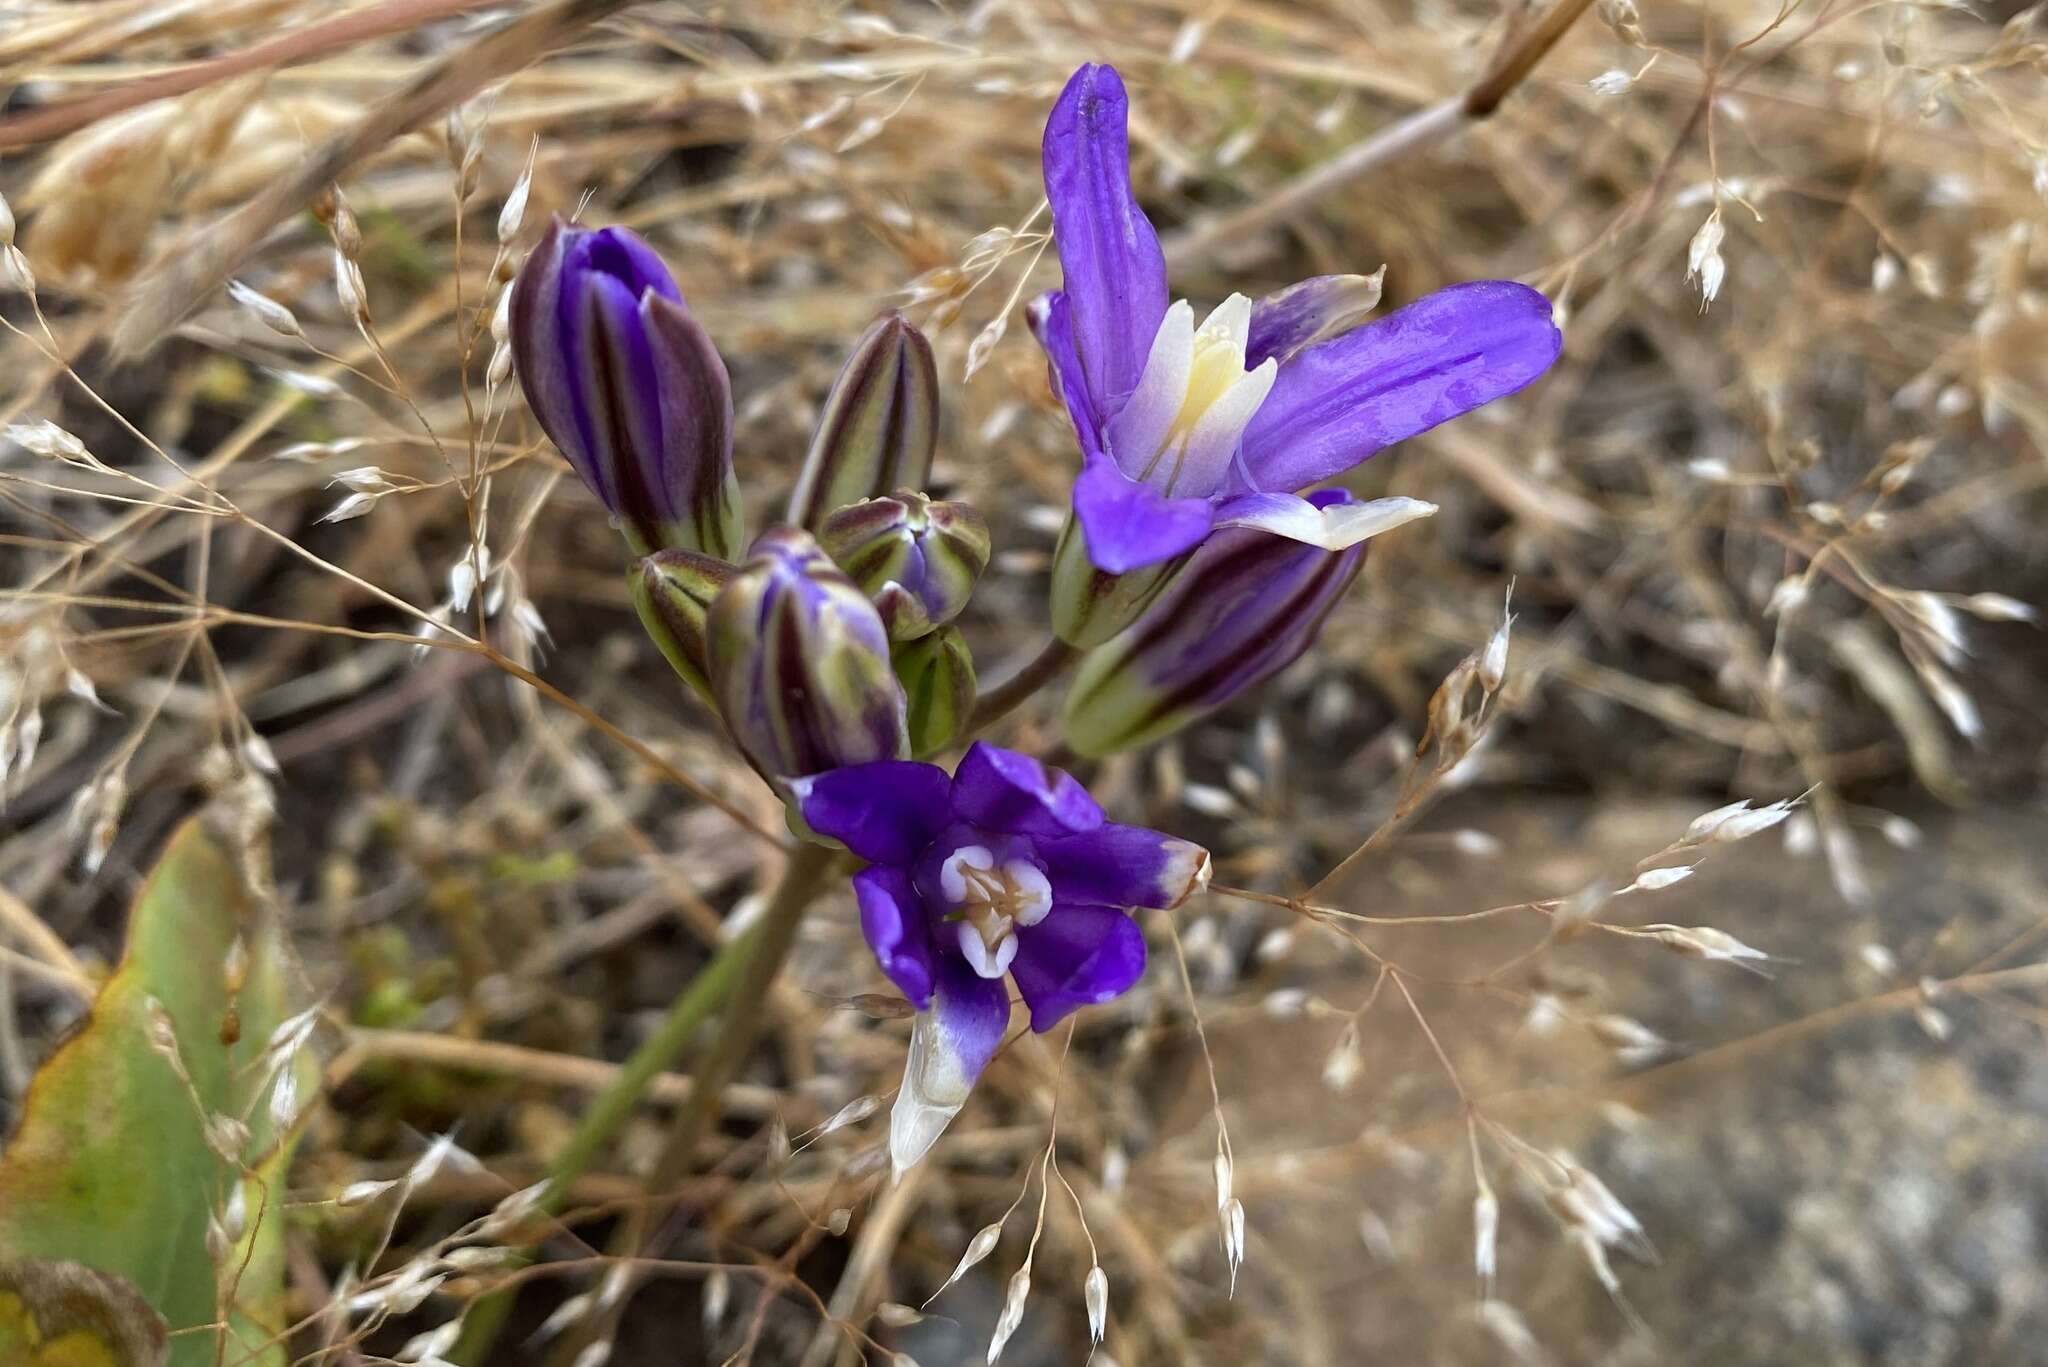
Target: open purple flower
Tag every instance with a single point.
(1005, 867)
(1184, 428)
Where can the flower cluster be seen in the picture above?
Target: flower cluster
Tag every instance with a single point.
(1197, 563)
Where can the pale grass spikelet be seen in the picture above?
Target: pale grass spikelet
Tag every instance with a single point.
(1224, 1171)
(265, 310)
(350, 508)
(567, 1313)
(1958, 706)
(1485, 1237)
(1611, 82)
(227, 1137)
(1342, 1066)
(1997, 607)
(1705, 942)
(350, 290)
(284, 1098)
(1656, 880)
(513, 215)
(979, 1247)
(1232, 1222)
(852, 1113)
(1013, 1311)
(431, 1346)
(442, 1152)
(362, 1193)
(1493, 660)
(234, 1212)
(594, 1354)
(1703, 262)
(1633, 1043)
(6, 223)
(717, 1296)
(1095, 1292)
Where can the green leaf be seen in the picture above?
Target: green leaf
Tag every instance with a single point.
(111, 1166)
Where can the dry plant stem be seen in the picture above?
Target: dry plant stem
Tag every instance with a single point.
(1005, 697)
(860, 1282)
(733, 966)
(203, 262)
(1418, 132)
(302, 45)
(752, 975)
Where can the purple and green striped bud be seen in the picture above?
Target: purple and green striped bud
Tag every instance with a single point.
(1245, 607)
(937, 673)
(798, 663)
(1091, 605)
(917, 560)
(879, 428)
(628, 386)
(673, 592)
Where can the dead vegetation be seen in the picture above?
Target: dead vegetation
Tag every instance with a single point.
(1772, 527)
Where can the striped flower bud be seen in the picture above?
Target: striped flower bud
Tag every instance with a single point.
(673, 591)
(879, 428)
(918, 560)
(1245, 607)
(937, 673)
(798, 662)
(628, 386)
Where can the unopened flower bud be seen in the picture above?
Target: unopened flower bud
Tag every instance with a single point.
(798, 663)
(880, 424)
(1245, 607)
(673, 591)
(918, 560)
(628, 385)
(937, 674)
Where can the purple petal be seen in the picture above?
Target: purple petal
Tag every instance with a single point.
(1337, 403)
(535, 330)
(1052, 323)
(1123, 866)
(898, 930)
(885, 812)
(1290, 320)
(1129, 525)
(616, 404)
(697, 488)
(1002, 790)
(621, 254)
(1076, 956)
(1109, 256)
(971, 1013)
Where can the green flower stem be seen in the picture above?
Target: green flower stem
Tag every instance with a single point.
(999, 701)
(743, 968)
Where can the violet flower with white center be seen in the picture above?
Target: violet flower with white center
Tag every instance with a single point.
(1007, 867)
(1184, 429)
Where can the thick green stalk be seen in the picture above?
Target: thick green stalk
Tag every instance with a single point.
(608, 1113)
(740, 1029)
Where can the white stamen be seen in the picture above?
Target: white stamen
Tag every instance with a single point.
(1033, 891)
(952, 881)
(1179, 430)
(990, 961)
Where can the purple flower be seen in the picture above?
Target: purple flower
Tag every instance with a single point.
(1245, 607)
(1186, 428)
(629, 387)
(1006, 867)
(797, 661)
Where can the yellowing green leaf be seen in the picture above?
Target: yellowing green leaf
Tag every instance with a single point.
(111, 1167)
